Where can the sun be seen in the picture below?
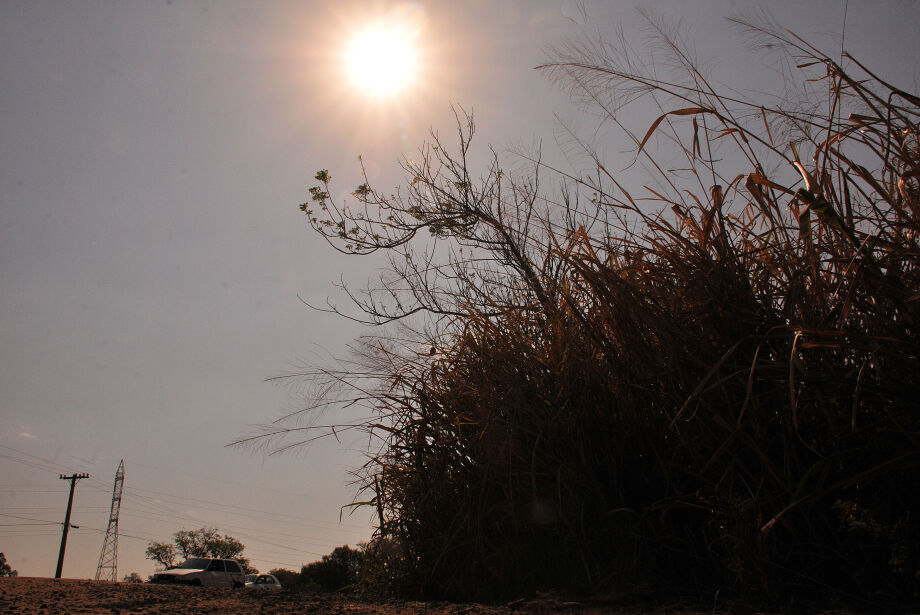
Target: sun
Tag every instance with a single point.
(381, 60)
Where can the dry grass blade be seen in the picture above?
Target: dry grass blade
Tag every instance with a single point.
(655, 124)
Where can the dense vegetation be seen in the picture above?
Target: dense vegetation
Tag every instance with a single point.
(337, 571)
(700, 379)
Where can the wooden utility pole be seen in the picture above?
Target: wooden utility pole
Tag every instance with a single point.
(73, 478)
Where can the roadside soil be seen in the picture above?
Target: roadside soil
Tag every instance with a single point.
(53, 596)
(30, 595)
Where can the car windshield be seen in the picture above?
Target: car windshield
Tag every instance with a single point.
(195, 563)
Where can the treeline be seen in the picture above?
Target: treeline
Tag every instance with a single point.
(702, 377)
(338, 571)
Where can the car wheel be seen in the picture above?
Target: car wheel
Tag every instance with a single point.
(197, 582)
(237, 585)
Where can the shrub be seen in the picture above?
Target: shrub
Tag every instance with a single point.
(337, 571)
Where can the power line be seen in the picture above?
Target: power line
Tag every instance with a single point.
(27, 462)
(247, 533)
(312, 522)
(244, 531)
(29, 519)
(163, 507)
(300, 538)
(252, 555)
(261, 513)
(34, 460)
(85, 509)
(167, 508)
(28, 534)
(158, 509)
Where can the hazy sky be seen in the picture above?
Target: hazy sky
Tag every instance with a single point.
(152, 157)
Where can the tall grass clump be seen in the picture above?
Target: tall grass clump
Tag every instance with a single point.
(702, 378)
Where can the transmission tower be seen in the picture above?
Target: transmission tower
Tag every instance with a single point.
(107, 570)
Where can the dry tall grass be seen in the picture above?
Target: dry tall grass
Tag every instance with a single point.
(707, 382)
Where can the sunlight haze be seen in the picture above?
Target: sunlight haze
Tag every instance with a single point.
(381, 60)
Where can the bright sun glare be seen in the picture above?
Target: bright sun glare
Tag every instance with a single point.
(381, 60)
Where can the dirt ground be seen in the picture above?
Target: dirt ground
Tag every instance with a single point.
(34, 595)
(26, 595)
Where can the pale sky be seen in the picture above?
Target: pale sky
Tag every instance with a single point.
(152, 255)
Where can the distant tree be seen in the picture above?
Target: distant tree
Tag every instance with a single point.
(283, 574)
(289, 579)
(204, 542)
(207, 542)
(5, 569)
(132, 578)
(163, 553)
(335, 571)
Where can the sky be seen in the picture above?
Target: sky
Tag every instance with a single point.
(154, 264)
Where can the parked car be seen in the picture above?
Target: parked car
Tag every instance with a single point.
(204, 571)
(264, 581)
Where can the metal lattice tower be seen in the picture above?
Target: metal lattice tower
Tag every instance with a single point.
(107, 570)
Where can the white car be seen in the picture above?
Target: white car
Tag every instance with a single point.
(204, 571)
(264, 581)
